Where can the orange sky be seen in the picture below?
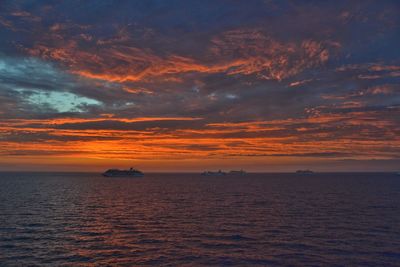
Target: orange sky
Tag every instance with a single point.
(260, 86)
(258, 145)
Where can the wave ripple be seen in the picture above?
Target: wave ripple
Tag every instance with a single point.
(187, 219)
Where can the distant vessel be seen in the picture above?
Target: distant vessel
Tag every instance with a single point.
(123, 173)
(304, 171)
(241, 172)
(210, 173)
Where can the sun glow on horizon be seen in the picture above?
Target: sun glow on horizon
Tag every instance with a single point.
(218, 88)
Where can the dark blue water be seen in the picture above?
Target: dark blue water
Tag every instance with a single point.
(188, 219)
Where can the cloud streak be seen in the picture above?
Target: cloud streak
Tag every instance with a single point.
(222, 82)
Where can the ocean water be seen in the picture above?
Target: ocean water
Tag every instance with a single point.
(190, 220)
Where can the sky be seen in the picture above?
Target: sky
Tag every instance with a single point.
(194, 85)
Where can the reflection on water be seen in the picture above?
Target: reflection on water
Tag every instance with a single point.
(188, 219)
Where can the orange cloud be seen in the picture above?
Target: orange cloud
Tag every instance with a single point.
(351, 135)
(371, 71)
(244, 52)
(298, 83)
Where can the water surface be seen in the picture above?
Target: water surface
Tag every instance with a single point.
(188, 219)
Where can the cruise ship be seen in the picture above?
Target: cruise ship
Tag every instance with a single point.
(304, 172)
(241, 172)
(123, 173)
(220, 173)
(210, 173)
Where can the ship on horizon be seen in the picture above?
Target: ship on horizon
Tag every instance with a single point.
(241, 172)
(221, 173)
(211, 173)
(123, 173)
(304, 171)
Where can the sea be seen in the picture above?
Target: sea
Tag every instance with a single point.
(270, 219)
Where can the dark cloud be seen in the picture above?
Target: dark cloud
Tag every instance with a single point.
(264, 78)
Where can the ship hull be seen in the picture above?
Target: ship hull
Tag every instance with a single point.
(122, 175)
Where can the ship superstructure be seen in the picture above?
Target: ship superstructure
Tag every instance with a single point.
(123, 173)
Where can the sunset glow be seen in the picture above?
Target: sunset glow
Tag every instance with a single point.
(87, 86)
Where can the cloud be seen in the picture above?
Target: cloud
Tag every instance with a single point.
(336, 134)
(269, 58)
(299, 83)
(241, 51)
(209, 81)
(40, 87)
(372, 71)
